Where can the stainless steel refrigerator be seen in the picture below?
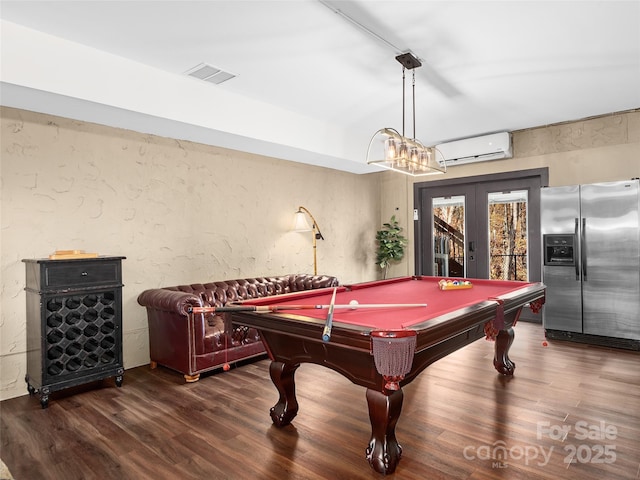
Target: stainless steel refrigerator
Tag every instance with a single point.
(591, 263)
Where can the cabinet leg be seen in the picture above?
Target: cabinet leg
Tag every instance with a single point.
(30, 388)
(119, 376)
(44, 397)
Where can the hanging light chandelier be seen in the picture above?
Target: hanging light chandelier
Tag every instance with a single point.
(390, 149)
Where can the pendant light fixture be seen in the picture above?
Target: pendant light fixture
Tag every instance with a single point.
(390, 149)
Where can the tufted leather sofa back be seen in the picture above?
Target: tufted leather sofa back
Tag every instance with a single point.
(220, 293)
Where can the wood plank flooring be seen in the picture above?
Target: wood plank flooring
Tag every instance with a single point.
(460, 420)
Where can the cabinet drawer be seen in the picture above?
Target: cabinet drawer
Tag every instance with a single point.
(80, 274)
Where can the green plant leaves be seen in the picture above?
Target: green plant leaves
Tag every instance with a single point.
(391, 244)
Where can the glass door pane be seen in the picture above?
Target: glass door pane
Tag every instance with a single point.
(448, 236)
(508, 212)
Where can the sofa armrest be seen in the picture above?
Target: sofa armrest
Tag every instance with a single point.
(174, 335)
(169, 300)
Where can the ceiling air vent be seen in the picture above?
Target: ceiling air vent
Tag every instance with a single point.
(209, 73)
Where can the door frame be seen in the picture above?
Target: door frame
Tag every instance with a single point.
(538, 178)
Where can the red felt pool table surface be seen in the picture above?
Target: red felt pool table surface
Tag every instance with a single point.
(405, 290)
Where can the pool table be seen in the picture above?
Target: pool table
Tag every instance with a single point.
(450, 320)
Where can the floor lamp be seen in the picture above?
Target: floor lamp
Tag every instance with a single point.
(301, 225)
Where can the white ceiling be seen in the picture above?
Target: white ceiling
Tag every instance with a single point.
(311, 85)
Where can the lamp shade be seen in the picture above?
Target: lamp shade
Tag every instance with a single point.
(300, 223)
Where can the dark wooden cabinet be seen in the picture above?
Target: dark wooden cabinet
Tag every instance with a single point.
(74, 323)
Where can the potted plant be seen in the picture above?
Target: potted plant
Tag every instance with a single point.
(391, 245)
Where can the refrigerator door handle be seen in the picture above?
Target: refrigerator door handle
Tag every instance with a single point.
(583, 249)
(575, 251)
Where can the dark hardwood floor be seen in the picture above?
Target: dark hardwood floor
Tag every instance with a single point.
(460, 420)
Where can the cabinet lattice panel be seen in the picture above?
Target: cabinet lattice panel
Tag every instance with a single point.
(80, 332)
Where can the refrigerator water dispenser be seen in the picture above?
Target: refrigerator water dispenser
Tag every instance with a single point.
(559, 250)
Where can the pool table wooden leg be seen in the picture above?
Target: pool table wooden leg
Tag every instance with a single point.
(383, 452)
(282, 375)
(501, 359)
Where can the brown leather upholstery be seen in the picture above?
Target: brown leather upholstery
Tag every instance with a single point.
(192, 344)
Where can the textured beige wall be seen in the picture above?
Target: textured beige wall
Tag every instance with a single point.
(180, 212)
(601, 149)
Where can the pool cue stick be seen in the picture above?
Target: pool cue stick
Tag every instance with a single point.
(326, 333)
(366, 305)
(277, 308)
(233, 308)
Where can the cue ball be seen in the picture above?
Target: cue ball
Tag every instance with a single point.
(354, 304)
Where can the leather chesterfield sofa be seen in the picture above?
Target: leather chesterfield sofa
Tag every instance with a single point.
(192, 344)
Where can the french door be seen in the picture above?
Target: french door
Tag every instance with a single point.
(480, 227)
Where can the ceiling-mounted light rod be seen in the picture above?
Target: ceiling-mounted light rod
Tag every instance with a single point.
(404, 96)
(410, 62)
(360, 26)
(413, 90)
(434, 78)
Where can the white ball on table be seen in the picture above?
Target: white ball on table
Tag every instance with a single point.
(353, 304)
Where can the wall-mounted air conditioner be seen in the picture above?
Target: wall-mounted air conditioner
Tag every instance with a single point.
(477, 149)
